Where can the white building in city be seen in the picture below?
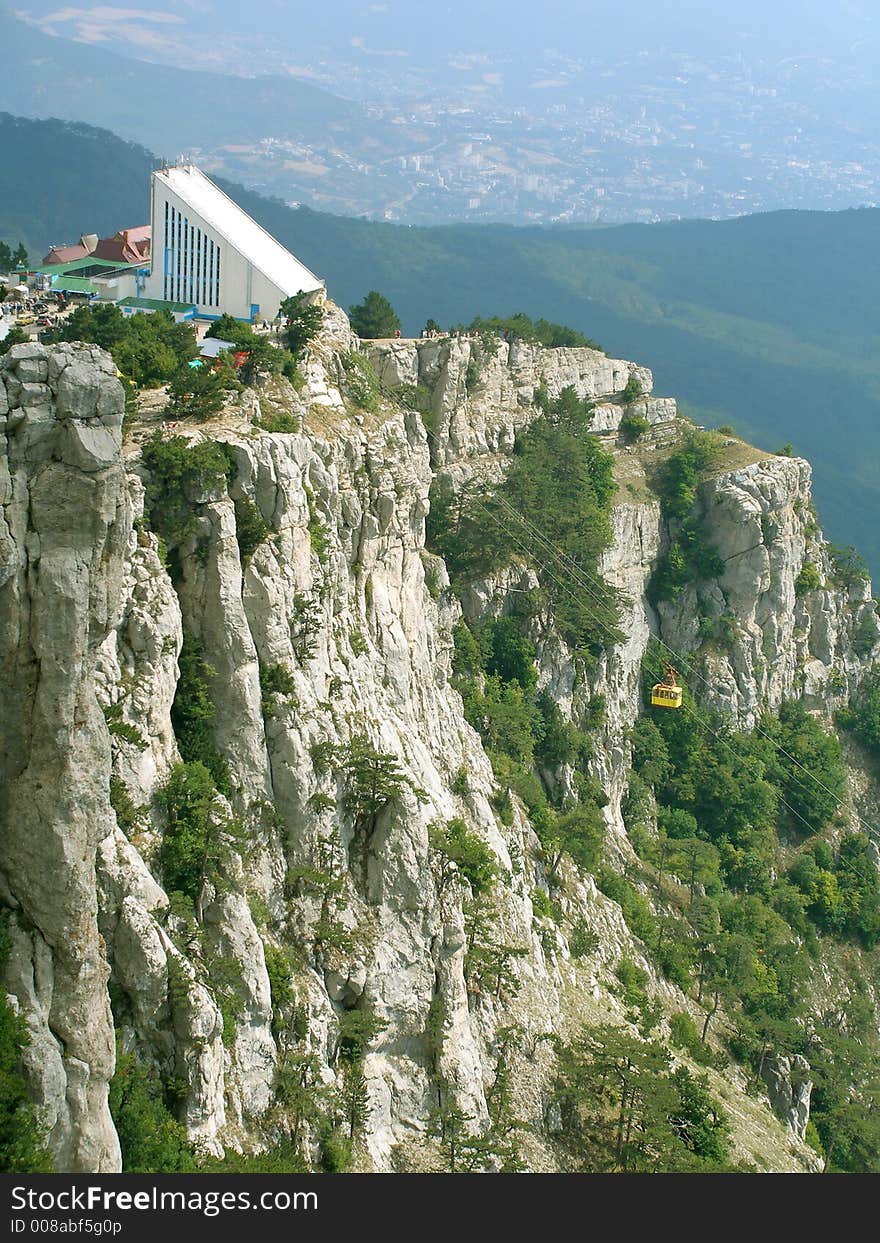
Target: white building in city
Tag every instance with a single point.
(210, 254)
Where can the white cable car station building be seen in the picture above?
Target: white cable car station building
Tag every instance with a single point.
(209, 253)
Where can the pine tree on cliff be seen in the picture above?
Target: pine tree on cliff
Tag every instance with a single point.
(374, 317)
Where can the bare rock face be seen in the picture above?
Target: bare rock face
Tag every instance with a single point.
(481, 394)
(344, 601)
(784, 643)
(64, 526)
(790, 1088)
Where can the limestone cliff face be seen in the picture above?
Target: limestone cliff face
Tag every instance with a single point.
(785, 644)
(65, 522)
(482, 393)
(344, 599)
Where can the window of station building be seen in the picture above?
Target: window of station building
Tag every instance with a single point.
(171, 252)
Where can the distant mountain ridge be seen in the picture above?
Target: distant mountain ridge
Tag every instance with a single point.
(166, 108)
(769, 323)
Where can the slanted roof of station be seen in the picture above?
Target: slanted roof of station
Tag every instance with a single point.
(236, 226)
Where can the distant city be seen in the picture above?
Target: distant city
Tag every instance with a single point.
(654, 139)
(440, 129)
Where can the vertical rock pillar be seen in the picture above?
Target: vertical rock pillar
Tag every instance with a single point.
(64, 523)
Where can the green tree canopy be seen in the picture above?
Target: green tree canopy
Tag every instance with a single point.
(454, 842)
(15, 336)
(624, 1109)
(148, 349)
(151, 1139)
(374, 317)
(302, 322)
(561, 481)
(197, 392)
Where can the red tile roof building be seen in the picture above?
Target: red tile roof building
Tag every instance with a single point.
(67, 254)
(126, 246)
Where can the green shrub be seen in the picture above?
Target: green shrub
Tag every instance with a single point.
(282, 1158)
(633, 389)
(559, 741)
(195, 843)
(151, 1139)
(317, 533)
(225, 979)
(335, 1152)
(460, 784)
(633, 980)
(357, 1030)
(193, 713)
(544, 907)
(811, 1137)
(690, 557)
(250, 528)
(275, 680)
(418, 397)
(865, 634)
(178, 472)
(633, 427)
(720, 630)
(807, 580)
(582, 941)
(862, 716)
(22, 1145)
(279, 421)
(473, 858)
(280, 984)
(118, 728)
(634, 905)
(361, 380)
(520, 327)
(683, 1034)
(123, 806)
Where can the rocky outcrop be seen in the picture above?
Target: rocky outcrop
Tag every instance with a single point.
(782, 642)
(481, 392)
(790, 1088)
(65, 522)
(343, 604)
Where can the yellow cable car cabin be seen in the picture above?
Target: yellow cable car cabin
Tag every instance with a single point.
(667, 693)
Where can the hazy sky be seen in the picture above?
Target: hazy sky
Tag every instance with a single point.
(430, 30)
